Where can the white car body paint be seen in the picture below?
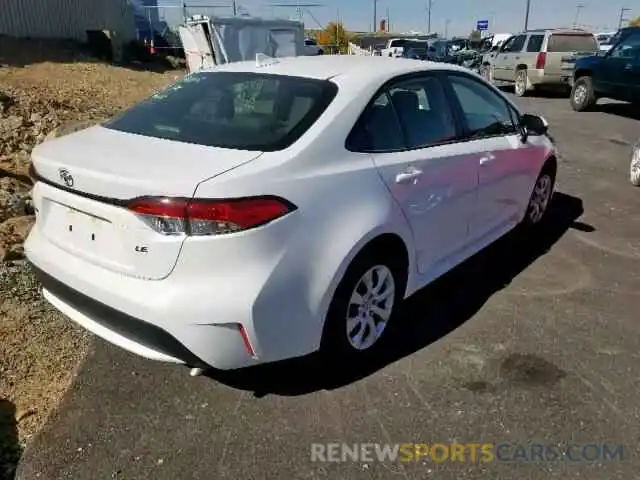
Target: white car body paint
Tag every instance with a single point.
(276, 281)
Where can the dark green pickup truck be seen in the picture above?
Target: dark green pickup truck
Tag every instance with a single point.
(613, 74)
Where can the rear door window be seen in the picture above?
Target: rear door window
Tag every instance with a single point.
(424, 112)
(238, 110)
(534, 45)
(517, 44)
(571, 42)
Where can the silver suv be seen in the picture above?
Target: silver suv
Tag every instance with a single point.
(539, 58)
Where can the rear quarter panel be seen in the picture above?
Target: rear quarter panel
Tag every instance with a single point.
(342, 204)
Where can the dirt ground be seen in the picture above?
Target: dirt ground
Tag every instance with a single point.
(43, 87)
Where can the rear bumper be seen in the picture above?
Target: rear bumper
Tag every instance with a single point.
(117, 327)
(172, 320)
(539, 77)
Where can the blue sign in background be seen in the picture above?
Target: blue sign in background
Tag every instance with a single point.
(482, 24)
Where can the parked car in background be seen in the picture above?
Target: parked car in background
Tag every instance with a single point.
(396, 47)
(207, 225)
(614, 74)
(416, 54)
(604, 40)
(311, 47)
(539, 59)
(441, 51)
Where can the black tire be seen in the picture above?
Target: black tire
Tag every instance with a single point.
(583, 98)
(335, 345)
(530, 221)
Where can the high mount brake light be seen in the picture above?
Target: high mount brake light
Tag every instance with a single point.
(180, 216)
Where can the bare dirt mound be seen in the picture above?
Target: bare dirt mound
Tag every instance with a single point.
(43, 86)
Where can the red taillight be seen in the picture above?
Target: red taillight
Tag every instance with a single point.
(541, 61)
(177, 216)
(245, 340)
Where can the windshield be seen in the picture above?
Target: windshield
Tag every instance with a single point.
(560, 42)
(239, 110)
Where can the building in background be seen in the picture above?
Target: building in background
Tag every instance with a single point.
(67, 19)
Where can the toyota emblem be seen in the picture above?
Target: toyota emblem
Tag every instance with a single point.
(66, 177)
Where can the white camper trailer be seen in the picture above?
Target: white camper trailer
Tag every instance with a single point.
(209, 41)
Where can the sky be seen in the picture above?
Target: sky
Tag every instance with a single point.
(504, 16)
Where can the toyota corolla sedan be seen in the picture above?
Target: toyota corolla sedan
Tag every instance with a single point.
(266, 210)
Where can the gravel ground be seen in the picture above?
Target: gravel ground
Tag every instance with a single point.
(46, 89)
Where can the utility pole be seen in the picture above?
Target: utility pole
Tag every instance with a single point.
(575, 20)
(526, 16)
(388, 22)
(429, 16)
(622, 19)
(446, 28)
(235, 8)
(375, 16)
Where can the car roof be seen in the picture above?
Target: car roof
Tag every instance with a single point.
(575, 31)
(324, 67)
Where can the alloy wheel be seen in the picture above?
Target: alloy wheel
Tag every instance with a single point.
(580, 94)
(635, 166)
(540, 198)
(370, 307)
(521, 84)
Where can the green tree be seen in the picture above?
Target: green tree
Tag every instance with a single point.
(334, 36)
(475, 36)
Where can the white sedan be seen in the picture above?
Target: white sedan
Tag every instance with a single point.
(265, 210)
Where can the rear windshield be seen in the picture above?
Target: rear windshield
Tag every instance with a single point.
(560, 42)
(238, 110)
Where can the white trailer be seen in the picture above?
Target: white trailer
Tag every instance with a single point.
(209, 41)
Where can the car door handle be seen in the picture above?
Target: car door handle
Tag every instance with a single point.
(628, 66)
(489, 157)
(408, 175)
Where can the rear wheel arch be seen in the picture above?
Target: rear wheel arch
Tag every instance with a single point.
(388, 249)
(387, 246)
(522, 66)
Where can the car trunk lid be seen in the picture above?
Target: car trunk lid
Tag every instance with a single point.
(86, 180)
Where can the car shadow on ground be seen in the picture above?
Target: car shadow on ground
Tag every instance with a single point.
(540, 92)
(626, 110)
(427, 316)
(9, 445)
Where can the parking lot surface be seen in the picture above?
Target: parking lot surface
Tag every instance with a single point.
(534, 341)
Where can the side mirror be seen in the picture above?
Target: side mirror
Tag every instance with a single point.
(533, 124)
